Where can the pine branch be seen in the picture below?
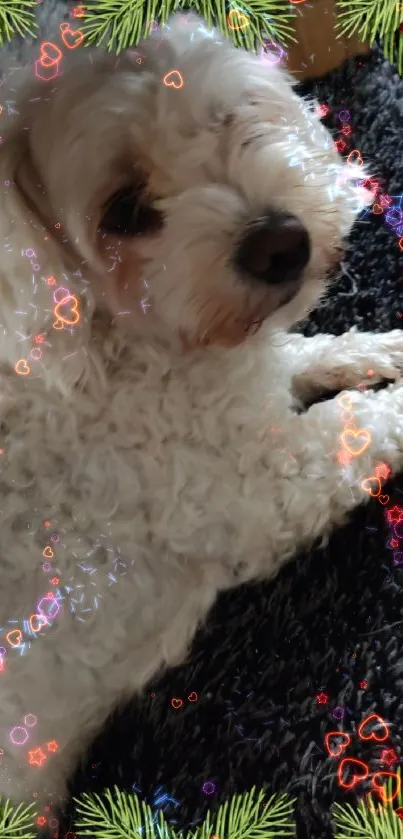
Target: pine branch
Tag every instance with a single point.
(363, 822)
(16, 822)
(373, 19)
(17, 17)
(118, 24)
(121, 815)
(118, 815)
(248, 816)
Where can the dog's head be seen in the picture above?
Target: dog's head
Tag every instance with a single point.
(195, 193)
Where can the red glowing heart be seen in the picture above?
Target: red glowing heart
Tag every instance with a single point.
(176, 703)
(366, 729)
(337, 749)
(71, 38)
(381, 788)
(359, 771)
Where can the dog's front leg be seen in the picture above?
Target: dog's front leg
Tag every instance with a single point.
(323, 469)
(332, 363)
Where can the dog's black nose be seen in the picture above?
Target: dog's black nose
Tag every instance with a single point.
(274, 249)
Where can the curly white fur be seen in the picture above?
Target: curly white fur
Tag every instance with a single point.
(157, 429)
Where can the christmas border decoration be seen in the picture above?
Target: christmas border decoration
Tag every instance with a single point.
(118, 24)
(252, 815)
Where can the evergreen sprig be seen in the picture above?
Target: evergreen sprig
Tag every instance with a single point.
(118, 24)
(121, 815)
(17, 17)
(373, 19)
(370, 822)
(16, 822)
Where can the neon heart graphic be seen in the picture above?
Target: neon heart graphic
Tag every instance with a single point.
(173, 79)
(49, 54)
(66, 312)
(237, 20)
(366, 729)
(381, 788)
(383, 499)
(193, 697)
(359, 769)
(345, 401)
(71, 38)
(14, 638)
(372, 485)
(176, 703)
(48, 552)
(22, 368)
(337, 749)
(356, 441)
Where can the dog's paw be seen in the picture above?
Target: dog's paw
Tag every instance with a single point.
(383, 359)
(353, 360)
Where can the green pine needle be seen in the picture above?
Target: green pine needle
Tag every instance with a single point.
(372, 19)
(17, 17)
(121, 815)
(16, 822)
(363, 822)
(118, 24)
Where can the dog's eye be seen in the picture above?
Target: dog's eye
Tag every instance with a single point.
(126, 214)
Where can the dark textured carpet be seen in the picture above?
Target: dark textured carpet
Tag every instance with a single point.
(325, 624)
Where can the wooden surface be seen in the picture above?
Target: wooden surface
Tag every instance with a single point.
(317, 50)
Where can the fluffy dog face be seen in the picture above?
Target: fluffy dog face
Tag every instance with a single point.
(200, 193)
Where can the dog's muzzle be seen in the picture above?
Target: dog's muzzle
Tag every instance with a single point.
(274, 250)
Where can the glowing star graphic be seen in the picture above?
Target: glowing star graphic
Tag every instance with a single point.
(363, 684)
(36, 757)
(395, 515)
(41, 821)
(382, 471)
(389, 757)
(322, 698)
(52, 746)
(322, 111)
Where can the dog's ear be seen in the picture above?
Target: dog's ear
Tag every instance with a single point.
(39, 334)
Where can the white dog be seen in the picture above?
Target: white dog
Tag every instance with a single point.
(167, 216)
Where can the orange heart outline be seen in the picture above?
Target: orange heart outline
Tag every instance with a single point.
(360, 432)
(340, 748)
(169, 79)
(19, 636)
(46, 60)
(22, 367)
(61, 320)
(176, 703)
(354, 158)
(344, 397)
(372, 735)
(382, 790)
(65, 30)
(48, 552)
(42, 621)
(241, 16)
(366, 486)
(356, 779)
